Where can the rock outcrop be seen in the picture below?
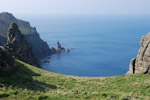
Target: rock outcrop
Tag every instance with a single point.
(39, 47)
(18, 46)
(6, 62)
(60, 48)
(142, 63)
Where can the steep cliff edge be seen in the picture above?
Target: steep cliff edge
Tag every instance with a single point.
(18, 46)
(39, 47)
(142, 63)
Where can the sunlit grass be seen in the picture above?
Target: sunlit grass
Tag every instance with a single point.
(31, 83)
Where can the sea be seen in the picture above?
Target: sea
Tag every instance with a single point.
(100, 45)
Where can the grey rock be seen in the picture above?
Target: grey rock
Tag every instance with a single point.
(60, 48)
(142, 63)
(132, 66)
(58, 45)
(18, 46)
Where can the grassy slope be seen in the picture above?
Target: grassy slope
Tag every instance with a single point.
(30, 82)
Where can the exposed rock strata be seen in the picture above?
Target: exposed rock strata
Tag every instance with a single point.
(18, 46)
(6, 62)
(142, 63)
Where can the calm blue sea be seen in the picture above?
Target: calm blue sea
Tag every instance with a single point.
(103, 45)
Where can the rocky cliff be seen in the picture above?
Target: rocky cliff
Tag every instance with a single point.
(39, 47)
(18, 46)
(142, 63)
(6, 62)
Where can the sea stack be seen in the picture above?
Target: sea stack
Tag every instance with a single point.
(18, 46)
(142, 63)
(60, 48)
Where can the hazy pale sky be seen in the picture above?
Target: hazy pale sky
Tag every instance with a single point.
(76, 6)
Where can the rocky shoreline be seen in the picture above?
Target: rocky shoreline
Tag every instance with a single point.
(23, 42)
(39, 47)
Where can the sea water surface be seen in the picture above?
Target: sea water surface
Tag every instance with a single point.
(102, 45)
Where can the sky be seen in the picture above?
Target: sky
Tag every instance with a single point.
(128, 7)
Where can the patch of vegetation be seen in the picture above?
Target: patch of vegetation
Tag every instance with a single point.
(31, 83)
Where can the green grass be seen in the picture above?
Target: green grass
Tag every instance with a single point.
(31, 83)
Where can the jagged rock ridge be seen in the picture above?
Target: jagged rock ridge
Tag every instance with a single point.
(142, 63)
(39, 47)
(18, 46)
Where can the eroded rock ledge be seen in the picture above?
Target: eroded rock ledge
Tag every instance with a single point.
(142, 63)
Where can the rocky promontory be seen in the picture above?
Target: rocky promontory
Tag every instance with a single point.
(18, 46)
(39, 47)
(141, 64)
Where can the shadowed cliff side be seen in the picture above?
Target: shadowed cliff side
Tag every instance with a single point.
(142, 63)
(18, 46)
(6, 62)
(39, 47)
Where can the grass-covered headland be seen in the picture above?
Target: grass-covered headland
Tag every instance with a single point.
(31, 83)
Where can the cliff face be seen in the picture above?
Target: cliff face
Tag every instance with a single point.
(18, 46)
(142, 63)
(39, 47)
(6, 62)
